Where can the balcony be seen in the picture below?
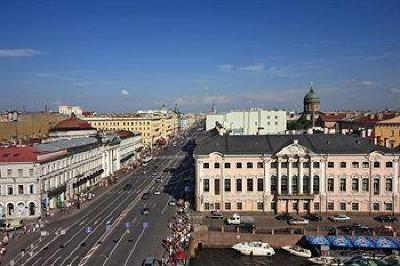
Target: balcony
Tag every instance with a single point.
(295, 196)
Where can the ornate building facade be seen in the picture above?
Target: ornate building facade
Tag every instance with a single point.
(296, 173)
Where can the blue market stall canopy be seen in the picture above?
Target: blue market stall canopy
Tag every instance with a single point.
(384, 243)
(361, 242)
(316, 240)
(339, 242)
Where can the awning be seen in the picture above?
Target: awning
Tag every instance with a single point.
(56, 191)
(316, 240)
(361, 242)
(339, 242)
(384, 243)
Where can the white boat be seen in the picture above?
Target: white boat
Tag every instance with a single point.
(325, 261)
(254, 249)
(297, 251)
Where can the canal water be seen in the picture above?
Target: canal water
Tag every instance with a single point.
(229, 257)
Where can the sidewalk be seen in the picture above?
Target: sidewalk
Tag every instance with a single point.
(52, 222)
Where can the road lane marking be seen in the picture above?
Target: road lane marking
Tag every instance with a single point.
(134, 247)
(112, 251)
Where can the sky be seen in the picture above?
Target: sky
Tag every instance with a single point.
(124, 56)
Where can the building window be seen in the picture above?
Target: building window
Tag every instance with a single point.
(217, 206)
(355, 164)
(365, 165)
(354, 185)
(260, 165)
(331, 185)
(316, 164)
(260, 206)
(9, 172)
(206, 185)
(316, 184)
(238, 185)
(365, 185)
(331, 164)
(274, 183)
(239, 165)
(227, 185)
(376, 206)
(389, 185)
(295, 164)
(31, 189)
(249, 184)
(10, 190)
(284, 184)
(206, 206)
(306, 165)
(227, 165)
(239, 205)
(216, 165)
(342, 185)
(331, 206)
(295, 184)
(377, 164)
(354, 206)
(20, 172)
(376, 186)
(227, 205)
(249, 165)
(306, 184)
(260, 184)
(388, 206)
(342, 206)
(206, 165)
(20, 189)
(316, 206)
(343, 165)
(274, 165)
(389, 164)
(284, 164)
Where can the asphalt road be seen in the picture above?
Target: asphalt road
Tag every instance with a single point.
(113, 231)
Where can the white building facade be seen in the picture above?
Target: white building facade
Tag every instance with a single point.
(249, 122)
(305, 173)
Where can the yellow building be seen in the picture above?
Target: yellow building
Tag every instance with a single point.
(152, 127)
(387, 132)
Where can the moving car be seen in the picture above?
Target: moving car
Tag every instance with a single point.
(146, 196)
(386, 218)
(172, 203)
(157, 192)
(159, 179)
(298, 221)
(150, 261)
(339, 218)
(313, 217)
(285, 216)
(145, 211)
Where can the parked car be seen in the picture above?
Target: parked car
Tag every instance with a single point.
(298, 221)
(313, 217)
(339, 218)
(157, 192)
(284, 217)
(145, 211)
(159, 179)
(386, 218)
(172, 203)
(216, 215)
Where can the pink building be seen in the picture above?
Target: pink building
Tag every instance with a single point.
(295, 173)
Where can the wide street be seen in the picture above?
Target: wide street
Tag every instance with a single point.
(113, 230)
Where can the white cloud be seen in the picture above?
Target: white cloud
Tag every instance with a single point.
(124, 92)
(226, 68)
(394, 90)
(8, 53)
(367, 83)
(256, 68)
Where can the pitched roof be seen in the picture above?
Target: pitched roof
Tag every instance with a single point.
(73, 123)
(393, 120)
(325, 117)
(271, 144)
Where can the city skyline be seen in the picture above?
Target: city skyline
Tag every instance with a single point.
(122, 57)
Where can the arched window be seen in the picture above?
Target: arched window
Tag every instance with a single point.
(1, 210)
(295, 184)
(316, 184)
(31, 208)
(10, 209)
(21, 208)
(306, 184)
(284, 184)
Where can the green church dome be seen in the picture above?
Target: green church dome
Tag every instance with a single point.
(311, 96)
